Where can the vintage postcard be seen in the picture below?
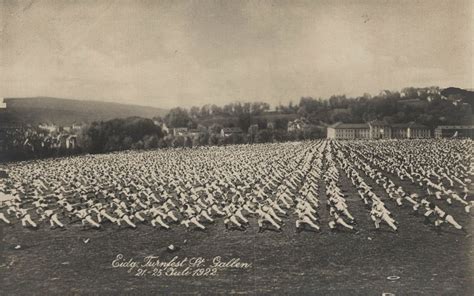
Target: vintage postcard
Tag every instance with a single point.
(251, 147)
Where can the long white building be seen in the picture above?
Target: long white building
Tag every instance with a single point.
(377, 130)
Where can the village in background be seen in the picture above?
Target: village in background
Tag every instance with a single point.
(46, 130)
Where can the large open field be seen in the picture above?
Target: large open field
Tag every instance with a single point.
(80, 261)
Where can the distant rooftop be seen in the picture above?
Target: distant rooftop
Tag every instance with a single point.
(378, 123)
(455, 127)
(407, 125)
(341, 125)
(417, 125)
(232, 130)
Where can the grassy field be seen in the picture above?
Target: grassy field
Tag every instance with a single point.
(326, 263)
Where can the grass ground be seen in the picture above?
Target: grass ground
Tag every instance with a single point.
(343, 263)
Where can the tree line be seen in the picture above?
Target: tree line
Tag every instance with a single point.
(429, 106)
(143, 133)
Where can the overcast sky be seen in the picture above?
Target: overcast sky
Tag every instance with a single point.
(183, 53)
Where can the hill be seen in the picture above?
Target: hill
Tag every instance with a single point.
(67, 111)
(459, 94)
(254, 119)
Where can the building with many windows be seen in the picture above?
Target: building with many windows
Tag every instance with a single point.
(348, 131)
(378, 130)
(418, 131)
(454, 131)
(229, 131)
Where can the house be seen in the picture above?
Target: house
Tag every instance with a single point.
(162, 125)
(298, 125)
(454, 131)
(3, 105)
(47, 142)
(77, 126)
(228, 131)
(180, 131)
(50, 127)
(71, 142)
(59, 141)
(348, 131)
(194, 132)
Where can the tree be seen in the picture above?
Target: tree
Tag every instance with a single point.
(177, 117)
(259, 107)
(281, 123)
(178, 141)
(205, 111)
(236, 139)
(252, 132)
(215, 128)
(216, 110)
(264, 136)
(192, 124)
(202, 139)
(127, 143)
(188, 142)
(244, 121)
(138, 145)
(214, 139)
(313, 132)
(120, 134)
(281, 136)
(228, 109)
(194, 112)
(150, 142)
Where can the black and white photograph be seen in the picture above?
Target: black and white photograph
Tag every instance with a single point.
(236, 147)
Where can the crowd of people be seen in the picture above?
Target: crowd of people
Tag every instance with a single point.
(243, 186)
(441, 169)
